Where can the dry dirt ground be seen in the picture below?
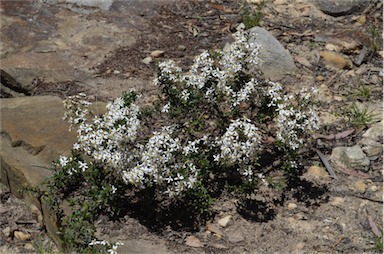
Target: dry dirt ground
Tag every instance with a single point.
(322, 215)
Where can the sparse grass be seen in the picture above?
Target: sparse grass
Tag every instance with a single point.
(251, 18)
(363, 92)
(44, 246)
(379, 244)
(361, 116)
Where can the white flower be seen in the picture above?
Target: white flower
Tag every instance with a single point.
(83, 166)
(63, 161)
(166, 108)
(185, 95)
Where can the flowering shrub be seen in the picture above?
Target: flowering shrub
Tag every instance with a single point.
(209, 123)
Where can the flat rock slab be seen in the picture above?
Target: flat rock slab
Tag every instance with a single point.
(64, 40)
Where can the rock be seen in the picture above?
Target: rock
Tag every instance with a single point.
(375, 132)
(147, 60)
(224, 221)
(336, 61)
(22, 236)
(317, 171)
(370, 147)
(277, 61)
(235, 235)
(29, 246)
(33, 134)
(6, 231)
(374, 188)
(292, 206)
(157, 53)
(350, 157)
(359, 186)
(341, 7)
(337, 201)
(214, 229)
(192, 241)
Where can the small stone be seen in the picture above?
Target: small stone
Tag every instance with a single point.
(292, 206)
(147, 60)
(29, 246)
(300, 246)
(374, 188)
(181, 47)
(279, 2)
(116, 72)
(360, 186)
(317, 171)
(22, 236)
(335, 61)
(332, 47)
(235, 236)
(375, 79)
(192, 241)
(6, 231)
(337, 201)
(362, 19)
(214, 229)
(219, 246)
(371, 148)
(320, 78)
(157, 53)
(350, 157)
(375, 132)
(224, 221)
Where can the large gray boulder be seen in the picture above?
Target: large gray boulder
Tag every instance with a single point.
(341, 7)
(277, 61)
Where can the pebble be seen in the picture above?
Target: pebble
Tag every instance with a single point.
(6, 231)
(362, 19)
(224, 221)
(360, 186)
(300, 246)
(335, 61)
(337, 201)
(157, 53)
(350, 157)
(374, 188)
(21, 236)
(235, 236)
(147, 60)
(292, 206)
(116, 72)
(29, 246)
(320, 78)
(317, 171)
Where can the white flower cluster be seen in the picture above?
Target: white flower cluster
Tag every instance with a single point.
(158, 163)
(104, 137)
(273, 92)
(110, 248)
(296, 122)
(76, 109)
(239, 145)
(168, 71)
(212, 79)
(166, 160)
(242, 55)
(81, 165)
